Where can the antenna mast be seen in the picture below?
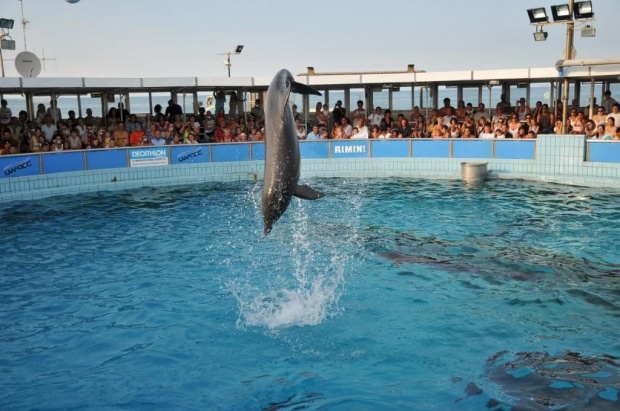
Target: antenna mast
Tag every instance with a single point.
(24, 24)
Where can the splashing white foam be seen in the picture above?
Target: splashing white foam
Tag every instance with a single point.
(305, 293)
(308, 304)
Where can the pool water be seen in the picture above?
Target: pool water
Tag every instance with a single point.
(386, 294)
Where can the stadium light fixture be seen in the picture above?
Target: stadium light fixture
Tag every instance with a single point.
(7, 44)
(538, 15)
(6, 23)
(540, 35)
(588, 31)
(583, 10)
(226, 61)
(561, 12)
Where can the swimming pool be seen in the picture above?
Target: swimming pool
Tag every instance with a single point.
(386, 294)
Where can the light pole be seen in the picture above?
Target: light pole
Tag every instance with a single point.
(568, 55)
(568, 14)
(226, 62)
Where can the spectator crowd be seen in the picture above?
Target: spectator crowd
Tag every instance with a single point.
(50, 131)
(505, 121)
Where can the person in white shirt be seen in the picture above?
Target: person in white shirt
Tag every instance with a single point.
(487, 132)
(615, 113)
(347, 130)
(48, 128)
(608, 102)
(375, 118)
(301, 130)
(359, 112)
(362, 130)
(449, 116)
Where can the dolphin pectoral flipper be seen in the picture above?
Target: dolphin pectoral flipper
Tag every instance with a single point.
(301, 88)
(306, 193)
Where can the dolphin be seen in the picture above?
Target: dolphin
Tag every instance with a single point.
(282, 157)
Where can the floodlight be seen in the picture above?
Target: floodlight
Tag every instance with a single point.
(238, 49)
(540, 35)
(588, 31)
(561, 12)
(6, 23)
(7, 44)
(538, 15)
(583, 10)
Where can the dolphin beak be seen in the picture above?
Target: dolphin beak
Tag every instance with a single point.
(303, 89)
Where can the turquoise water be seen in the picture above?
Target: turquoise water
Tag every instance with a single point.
(386, 294)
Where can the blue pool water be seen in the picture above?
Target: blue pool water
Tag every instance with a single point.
(386, 294)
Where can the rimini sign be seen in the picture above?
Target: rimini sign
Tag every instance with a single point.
(350, 149)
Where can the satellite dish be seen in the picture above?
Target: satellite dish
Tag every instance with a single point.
(27, 64)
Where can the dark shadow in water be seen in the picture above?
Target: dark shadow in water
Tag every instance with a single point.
(498, 262)
(568, 381)
(295, 402)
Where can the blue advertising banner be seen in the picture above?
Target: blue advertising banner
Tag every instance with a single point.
(350, 149)
(258, 151)
(19, 166)
(230, 152)
(390, 148)
(604, 151)
(104, 159)
(63, 162)
(471, 148)
(515, 149)
(314, 149)
(431, 148)
(148, 156)
(189, 154)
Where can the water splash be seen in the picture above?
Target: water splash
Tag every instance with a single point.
(303, 276)
(310, 303)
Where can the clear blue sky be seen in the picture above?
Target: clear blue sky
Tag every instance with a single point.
(155, 38)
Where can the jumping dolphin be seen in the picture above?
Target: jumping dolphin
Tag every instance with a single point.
(282, 157)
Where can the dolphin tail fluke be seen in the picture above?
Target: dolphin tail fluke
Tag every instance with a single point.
(306, 193)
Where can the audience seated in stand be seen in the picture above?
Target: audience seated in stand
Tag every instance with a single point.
(47, 126)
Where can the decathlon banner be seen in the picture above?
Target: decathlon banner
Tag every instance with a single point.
(152, 156)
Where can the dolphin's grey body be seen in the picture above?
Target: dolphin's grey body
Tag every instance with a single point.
(282, 159)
